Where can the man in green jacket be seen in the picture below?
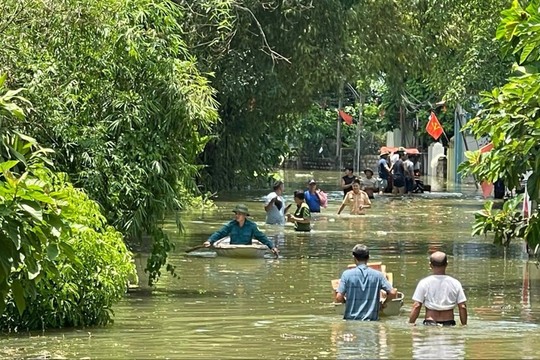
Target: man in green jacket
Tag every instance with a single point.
(241, 230)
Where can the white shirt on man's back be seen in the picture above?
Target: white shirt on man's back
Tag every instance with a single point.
(439, 292)
(275, 215)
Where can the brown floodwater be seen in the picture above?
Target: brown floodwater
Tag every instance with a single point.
(282, 308)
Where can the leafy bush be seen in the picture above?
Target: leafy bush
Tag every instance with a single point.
(509, 116)
(60, 264)
(122, 103)
(86, 269)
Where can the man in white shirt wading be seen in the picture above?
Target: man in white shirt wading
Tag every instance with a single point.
(440, 293)
(274, 205)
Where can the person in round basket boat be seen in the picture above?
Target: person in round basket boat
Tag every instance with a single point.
(362, 286)
(440, 293)
(241, 230)
(357, 200)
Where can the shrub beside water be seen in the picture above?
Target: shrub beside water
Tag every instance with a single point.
(89, 273)
(60, 263)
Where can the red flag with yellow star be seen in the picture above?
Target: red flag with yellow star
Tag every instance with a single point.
(434, 127)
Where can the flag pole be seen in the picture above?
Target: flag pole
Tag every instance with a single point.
(359, 131)
(338, 131)
(446, 136)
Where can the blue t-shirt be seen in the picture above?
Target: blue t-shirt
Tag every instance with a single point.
(313, 202)
(362, 286)
(383, 173)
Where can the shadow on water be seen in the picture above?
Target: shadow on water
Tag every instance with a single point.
(174, 293)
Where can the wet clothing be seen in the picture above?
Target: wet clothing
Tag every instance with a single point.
(372, 184)
(302, 211)
(409, 176)
(354, 201)
(313, 201)
(383, 173)
(275, 215)
(347, 180)
(383, 184)
(399, 174)
(409, 185)
(409, 165)
(439, 292)
(362, 287)
(241, 235)
(440, 323)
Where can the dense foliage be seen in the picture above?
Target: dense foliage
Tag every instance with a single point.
(510, 116)
(75, 266)
(317, 129)
(273, 59)
(119, 98)
(281, 53)
(60, 264)
(129, 93)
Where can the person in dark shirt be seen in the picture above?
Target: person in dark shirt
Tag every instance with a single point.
(399, 172)
(347, 180)
(384, 172)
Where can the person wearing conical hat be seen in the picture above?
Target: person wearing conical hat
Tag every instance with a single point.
(241, 230)
(397, 154)
(370, 185)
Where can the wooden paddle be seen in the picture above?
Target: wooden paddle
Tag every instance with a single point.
(195, 248)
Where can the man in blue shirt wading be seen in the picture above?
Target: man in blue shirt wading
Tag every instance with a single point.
(362, 286)
(312, 197)
(241, 230)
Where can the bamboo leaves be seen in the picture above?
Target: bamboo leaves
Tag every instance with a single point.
(124, 104)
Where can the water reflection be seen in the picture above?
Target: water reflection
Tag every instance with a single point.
(365, 340)
(434, 342)
(268, 308)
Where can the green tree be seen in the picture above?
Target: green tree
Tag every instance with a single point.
(282, 53)
(119, 97)
(509, 115)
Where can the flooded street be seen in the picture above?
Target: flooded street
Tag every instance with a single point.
(282, 308)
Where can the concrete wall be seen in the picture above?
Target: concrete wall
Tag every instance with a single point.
(306, 163)
(435, 152)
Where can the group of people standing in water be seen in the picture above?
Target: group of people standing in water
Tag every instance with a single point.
(312, 200)
(361, 286)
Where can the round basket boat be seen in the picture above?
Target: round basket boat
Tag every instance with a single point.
(223, 247)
